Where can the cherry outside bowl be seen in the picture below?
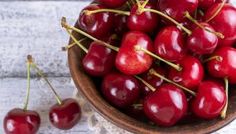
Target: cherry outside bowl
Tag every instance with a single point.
(87, 86)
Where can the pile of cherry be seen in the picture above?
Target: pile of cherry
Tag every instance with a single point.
(161, 59)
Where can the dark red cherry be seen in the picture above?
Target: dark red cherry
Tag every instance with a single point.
(210, 100)
(144, 22)
(191, 75)
(177, 8)
(224, 22)
(205, 4)
(154, 81)
(201, 41)
(99, 60)
(112, 3)
(120, 24)
(120, 90)
(169, 44)
(136, 111)
(66, 115)
(220, 1)
(166, 106)
(225, 66)
(97, 24)
(19, 121)
(129, 60)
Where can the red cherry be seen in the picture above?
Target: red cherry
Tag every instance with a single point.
(99, 60)
(177, 8)
(202, 41)
(66, 115)
(210, 100)
(120, 90)
(169, 44)
(152, 80)
(191, 75)
(19, 121)
(225, 66)
(129, 60)
(166, 106)
(97, 25)
(144, 22)
(224, 22)
(112, 3)
(136, 111)
(205, 4)
(120, 26)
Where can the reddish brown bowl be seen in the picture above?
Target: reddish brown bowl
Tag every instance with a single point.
(86, 86)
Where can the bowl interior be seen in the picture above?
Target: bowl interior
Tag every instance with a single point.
(87, 86)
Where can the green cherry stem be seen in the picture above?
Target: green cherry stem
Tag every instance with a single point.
(153, 72)
(187, 15)
(145, 83)
(217, 11)
(28, 85)
(73, 44)
(224, 111)
(218, 58)
(88, 12)
(40, 73)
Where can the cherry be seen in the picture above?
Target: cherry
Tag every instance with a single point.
(136, 111)
(166, 106)
(98, 25)
(191, 75)
(210, 100)
(177, 8)
(225, 65)
(152, 80)
(22, 121)
(112, 3)
(99, 60)
(120, 26)
(120, 90)
(19, 121)
(202, 41)
(205, 4)
(66, 115)
(129, 60)
(145, 21)
(169, 44)
(223, 21)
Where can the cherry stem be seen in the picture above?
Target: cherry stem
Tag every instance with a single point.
(138, 3)
(28, 84)
(145, 83)
(137, 106)
(175, 66)
(67, 26)
(72, 44)
(40, 73)
(153, 72)
(145, 3)
(88, 12)
(218, 58)
(217, 11)
(187, 15)
(189, 32)
(77, 42)
(224, 111)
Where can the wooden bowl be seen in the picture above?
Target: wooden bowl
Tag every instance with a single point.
(86, 86)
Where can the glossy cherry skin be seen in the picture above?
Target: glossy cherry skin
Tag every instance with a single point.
(99, 60)
(166, 106)
(98, 24)
(177, 8)
(120, 24)
(224, 23)
(210, 100)
(191, 75)
(112, 3)
(201, 41)
(205, 4)
(66, 115)
(131, 61)
(120, 90)
(226, 67)
(144, 22)
(169, 44)
(19, 121)
(154, 81)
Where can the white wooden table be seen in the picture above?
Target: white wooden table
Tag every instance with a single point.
(33, 27)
